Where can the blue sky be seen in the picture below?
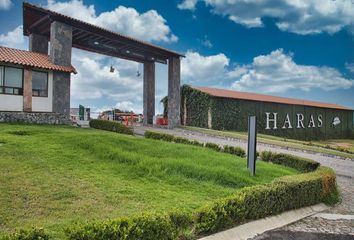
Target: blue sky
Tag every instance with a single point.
(300, 49)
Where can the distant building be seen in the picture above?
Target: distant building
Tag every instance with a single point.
(76, 115)
(285, 117)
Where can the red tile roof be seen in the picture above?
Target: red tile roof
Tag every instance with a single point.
(31, 59)
(265, 98)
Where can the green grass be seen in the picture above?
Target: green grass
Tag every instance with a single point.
(316, 146)
(53, 176)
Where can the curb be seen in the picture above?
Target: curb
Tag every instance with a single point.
(251, 229)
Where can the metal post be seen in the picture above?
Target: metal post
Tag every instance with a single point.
(252, 144)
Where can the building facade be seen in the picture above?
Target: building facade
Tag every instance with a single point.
(29, 92)
(289, 118)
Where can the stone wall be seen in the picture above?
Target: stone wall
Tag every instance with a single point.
(34, 117)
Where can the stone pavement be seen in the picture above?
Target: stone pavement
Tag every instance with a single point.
(339, 221)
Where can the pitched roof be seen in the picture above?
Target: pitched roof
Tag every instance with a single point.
(215, 92)
(31, 59)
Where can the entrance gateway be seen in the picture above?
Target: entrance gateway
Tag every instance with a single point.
(42, 25)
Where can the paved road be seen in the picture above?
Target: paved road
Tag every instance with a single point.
(338, 219)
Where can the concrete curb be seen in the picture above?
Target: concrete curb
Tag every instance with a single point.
(251, 229)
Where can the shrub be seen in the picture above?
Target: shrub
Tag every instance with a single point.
(255, 202)
(110, 126)
(181, 140)
(145, 226)
(214, 146)
(234, 150)
(171, 138)
(159, 136)
(301, 164)
(196, 143)
(32, 234)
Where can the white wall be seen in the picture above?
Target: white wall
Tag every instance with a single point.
(11, 102)
(44, 104)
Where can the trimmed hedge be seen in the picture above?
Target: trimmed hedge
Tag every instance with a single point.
(32, 234)
(247, 204)
(235, 150)
(110, 126)
(301, 164)
(170, 138)
(213, 146)
(143, 227)
(255, 202)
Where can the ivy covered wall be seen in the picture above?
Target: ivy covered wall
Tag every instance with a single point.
(232, 114)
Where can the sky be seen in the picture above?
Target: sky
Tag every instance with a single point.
(299, 49)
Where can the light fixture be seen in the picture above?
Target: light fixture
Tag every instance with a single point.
(96, 43)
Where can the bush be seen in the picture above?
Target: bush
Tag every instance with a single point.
(171, 138)
(145, 226)
(234, 150)
(255, 202)
(301, 164)
(33, 234)
(214, 146)
(159, 136)
(110, 126)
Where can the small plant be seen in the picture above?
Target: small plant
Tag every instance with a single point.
(214, 146)
(32, 234)
(238, 151)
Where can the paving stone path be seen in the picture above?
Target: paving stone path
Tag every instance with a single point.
(335, 223)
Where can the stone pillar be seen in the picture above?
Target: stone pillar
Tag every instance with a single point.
(60, 54)
(174, 88)
(60, 43)
(27, 90)
(38, 43)
(149, 92)
(61, 93)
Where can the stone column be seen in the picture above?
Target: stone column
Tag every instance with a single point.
(60, 43)
(27, 90)
(174, 88)
(61, 93)
(60, 54)
(38, 43)
(149, 92)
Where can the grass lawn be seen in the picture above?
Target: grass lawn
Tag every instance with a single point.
(52, 176)
(292, 143)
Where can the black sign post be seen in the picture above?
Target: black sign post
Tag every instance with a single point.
(252, 144)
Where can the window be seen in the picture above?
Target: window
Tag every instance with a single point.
(1, 79)
(11, 80)
(39, 84)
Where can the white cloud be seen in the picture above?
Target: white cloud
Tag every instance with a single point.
(5, 4)
(147, 26)
(14, 39)
(206, 42)
(277, 72)
(188, 4)
(350, 67)
(95, 81)
(197, 68)
(300, 16)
